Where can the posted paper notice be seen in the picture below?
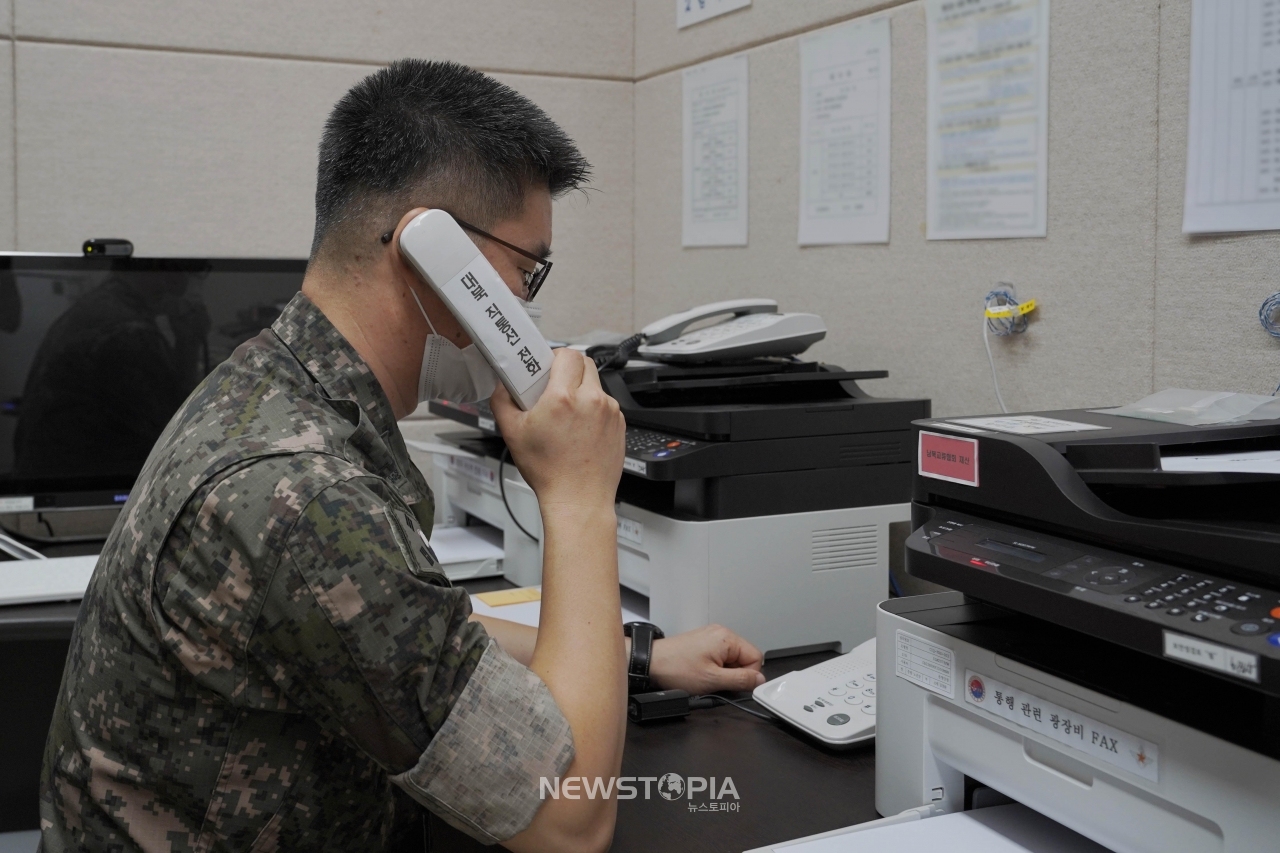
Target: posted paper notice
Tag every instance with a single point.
(1233, 133)
(844, 134)
(696, 11)
(715, 153)
(988, 118)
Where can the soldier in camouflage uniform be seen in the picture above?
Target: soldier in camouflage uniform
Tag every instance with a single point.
(269, 644)
(268, 656)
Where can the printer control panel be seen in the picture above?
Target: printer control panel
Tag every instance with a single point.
(650, 446)
(980, 556)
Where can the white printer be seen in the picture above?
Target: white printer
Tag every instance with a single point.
(759, 494)
(1110, 658)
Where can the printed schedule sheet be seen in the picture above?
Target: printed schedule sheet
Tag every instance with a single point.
(988, 118)
(1233, 158)
(715, 153)
(844, 134)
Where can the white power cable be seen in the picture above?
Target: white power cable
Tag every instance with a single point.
(1011, 321)
(986, 341)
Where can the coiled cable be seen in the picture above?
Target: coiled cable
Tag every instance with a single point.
(1269, 317)
(1001, 296)
(615, 356)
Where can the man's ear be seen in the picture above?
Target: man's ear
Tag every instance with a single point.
(399, 229)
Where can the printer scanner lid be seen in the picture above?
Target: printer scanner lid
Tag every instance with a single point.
(1134, 485)
(756, 399)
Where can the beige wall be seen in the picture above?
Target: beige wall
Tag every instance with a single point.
(175, 124)
(1128, 303)
(178, 125)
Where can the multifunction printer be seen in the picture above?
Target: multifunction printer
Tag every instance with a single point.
(1111, 655)
(758, 494)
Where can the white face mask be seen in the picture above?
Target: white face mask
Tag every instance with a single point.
(457, 375)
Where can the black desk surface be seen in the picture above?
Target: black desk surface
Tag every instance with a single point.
(789, 785)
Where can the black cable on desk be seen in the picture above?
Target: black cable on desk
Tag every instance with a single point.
(710, 699)
(502, 487)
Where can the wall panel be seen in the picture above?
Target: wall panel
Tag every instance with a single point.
(914, 306)
(1208, 288)
(193, 154)
(552, 36)
(661, 47)
(182, 153)
(590, 284)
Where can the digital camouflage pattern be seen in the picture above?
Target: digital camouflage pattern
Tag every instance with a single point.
(268, 656)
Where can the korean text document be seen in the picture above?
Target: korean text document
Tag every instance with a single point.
(1233, 131)
(844, 134)
(988, 118)
(715, 153)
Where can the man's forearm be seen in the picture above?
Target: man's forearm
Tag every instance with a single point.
(515, 639)
(579, 650)
(579, 654)
(518, 640)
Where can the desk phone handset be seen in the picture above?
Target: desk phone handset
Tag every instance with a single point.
(754, 328)
(442, 253)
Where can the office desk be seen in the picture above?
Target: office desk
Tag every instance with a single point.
(789, 785)
(33, 649)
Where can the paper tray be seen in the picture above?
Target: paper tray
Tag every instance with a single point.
(999, 829)
(39, 581)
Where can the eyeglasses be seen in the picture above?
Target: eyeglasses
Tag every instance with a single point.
(533, 279)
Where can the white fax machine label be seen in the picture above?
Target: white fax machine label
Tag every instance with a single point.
(17, 504)
(631, 531)
(635, 466)
(1067, 727)
(924, 663)
(473, 470)
(1211, 656)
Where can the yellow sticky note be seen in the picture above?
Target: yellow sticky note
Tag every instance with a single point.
(500, 597)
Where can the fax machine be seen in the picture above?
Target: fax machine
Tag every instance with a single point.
(1111, 657)
(757, 493)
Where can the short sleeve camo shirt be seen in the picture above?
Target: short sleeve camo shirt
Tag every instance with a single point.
(268, 657)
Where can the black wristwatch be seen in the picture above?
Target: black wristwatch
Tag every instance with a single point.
(642, 635)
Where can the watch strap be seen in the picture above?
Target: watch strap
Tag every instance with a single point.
(642, 635)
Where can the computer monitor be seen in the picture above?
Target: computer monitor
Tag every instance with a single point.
(96, 355)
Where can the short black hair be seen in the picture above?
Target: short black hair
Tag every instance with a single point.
(434, 134)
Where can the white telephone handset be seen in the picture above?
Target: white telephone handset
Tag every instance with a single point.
(754, 329)
(442, 253)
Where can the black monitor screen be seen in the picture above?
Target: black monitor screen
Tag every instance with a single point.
(96, 354)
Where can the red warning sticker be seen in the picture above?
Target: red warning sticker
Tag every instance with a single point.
(946, 457)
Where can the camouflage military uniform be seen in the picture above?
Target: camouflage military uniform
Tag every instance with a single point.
(268, 653)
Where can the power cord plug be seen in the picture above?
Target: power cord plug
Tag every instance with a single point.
(671, 704)
(1003, 315)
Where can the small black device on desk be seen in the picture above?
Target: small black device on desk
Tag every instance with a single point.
(1100, 524)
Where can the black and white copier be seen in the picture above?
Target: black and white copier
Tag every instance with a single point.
(757, 493)
(1111, 655)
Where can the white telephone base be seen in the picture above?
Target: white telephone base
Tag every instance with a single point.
(834, 701)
